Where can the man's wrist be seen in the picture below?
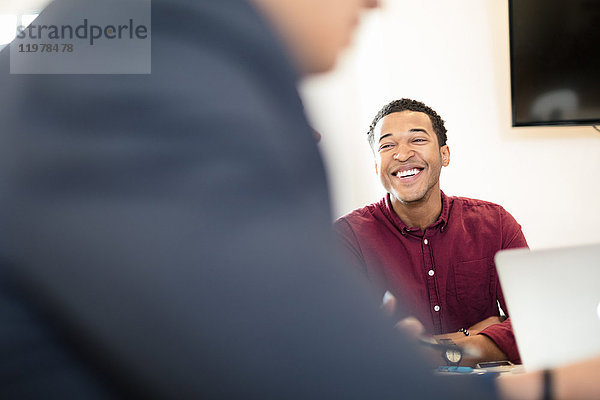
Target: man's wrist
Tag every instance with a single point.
(520, 386)
(547, 385)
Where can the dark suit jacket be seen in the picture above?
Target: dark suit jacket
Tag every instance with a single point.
(172, 231)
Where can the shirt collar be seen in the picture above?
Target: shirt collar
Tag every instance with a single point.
(442, 220)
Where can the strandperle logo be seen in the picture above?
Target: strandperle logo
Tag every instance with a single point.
(85, 31)
(86, 37)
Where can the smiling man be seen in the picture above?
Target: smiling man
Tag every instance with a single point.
(431, 251)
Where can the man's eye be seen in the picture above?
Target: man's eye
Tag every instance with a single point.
(419, 140)
(385, 146)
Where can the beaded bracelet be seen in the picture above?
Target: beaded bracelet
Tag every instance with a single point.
(463, 330)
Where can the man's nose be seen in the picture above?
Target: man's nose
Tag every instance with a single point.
(404, 153)
(371, 3)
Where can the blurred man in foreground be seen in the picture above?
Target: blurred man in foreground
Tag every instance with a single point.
(168, 235)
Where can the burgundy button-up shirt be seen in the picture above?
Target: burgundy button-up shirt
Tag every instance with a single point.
(445, 276)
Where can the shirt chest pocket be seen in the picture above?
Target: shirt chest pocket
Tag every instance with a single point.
(474, 286)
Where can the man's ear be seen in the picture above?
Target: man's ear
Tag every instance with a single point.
(376, 168)
(445, 153)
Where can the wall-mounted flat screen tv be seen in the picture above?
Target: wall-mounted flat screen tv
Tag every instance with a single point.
(555, 62)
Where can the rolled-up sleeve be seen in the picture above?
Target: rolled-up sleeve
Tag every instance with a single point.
(502, 334)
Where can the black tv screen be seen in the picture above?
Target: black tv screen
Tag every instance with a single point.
(555, 62)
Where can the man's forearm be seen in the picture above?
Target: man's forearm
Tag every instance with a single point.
(577, 381)
(484, 347)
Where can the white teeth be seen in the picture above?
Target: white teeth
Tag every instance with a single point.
(410, 172)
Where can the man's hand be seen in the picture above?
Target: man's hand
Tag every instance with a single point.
(478, 348)
(388, 304)
(411, 326)
(482, 348)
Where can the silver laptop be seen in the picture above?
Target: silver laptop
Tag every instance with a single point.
(553, 299)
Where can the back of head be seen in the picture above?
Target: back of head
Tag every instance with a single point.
(314, 31)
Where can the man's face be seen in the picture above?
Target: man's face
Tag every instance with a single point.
(315, 30)
(408, 158)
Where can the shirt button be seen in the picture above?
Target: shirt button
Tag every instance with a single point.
(431, 273)
(436, 308)
(425, 241)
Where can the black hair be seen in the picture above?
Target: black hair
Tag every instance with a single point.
(409, 105)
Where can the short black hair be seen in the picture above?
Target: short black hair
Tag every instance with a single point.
(409, 105)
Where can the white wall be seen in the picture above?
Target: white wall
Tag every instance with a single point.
(22, 6)
(11, 12)
(454, 56)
